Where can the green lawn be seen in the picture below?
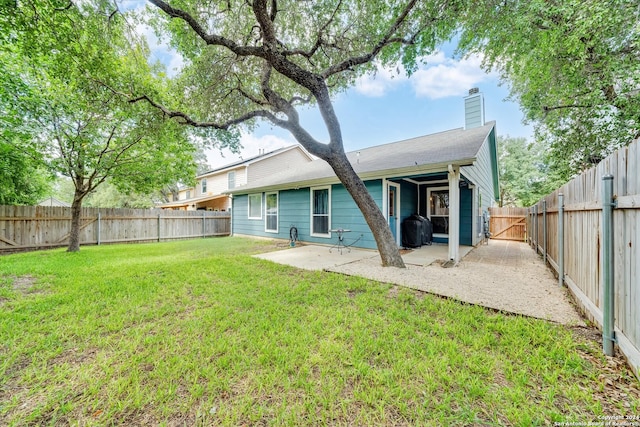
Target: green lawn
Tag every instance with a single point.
(199, 333)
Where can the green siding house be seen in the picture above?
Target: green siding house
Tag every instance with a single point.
(449, 177)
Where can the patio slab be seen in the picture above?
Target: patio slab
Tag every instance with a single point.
(505, 276)
(427, 255)
(315, 257)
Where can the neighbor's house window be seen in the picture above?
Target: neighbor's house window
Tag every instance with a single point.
(439, 209)
(231, 177)
(271, 223)
(320, 208)
(188, 194)
(203, 186)
(255, 206)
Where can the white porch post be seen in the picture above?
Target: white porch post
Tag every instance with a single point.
(454, 213)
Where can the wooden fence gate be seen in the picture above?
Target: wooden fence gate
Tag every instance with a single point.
(508, 223)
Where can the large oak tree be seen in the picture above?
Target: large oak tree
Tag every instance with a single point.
(264, 59)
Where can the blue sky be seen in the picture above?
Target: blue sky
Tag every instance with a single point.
(388, 107)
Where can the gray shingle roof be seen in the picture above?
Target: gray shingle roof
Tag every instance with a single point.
(424, 153)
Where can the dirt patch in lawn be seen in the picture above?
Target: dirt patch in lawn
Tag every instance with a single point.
(21, 285)
(24, 284)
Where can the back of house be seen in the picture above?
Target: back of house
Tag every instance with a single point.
(450, 177)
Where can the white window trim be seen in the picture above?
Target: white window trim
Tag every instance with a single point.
(429, 190)
(249, 206)
(323, 235)
(266, 230)
(203, 186)
(229, 175)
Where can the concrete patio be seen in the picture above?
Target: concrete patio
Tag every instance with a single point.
(503, 275)
(316, 257)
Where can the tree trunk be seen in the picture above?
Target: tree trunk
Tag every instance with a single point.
(76, 212)
(387, 247)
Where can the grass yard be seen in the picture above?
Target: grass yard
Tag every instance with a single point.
(200, 333)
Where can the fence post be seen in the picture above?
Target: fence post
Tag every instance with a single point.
(158, 227)
(99, 227)
(535, 228)
(529, 227)
(608, 325)
(204, 216)
(544, 230)
(561, 239)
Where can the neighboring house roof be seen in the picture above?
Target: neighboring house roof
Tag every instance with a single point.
(458, 147)
(52, 201)
(259, 157)
(192, 201)
(229, 167)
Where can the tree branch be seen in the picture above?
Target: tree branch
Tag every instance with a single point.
(387, 39)
(266, 23)
(293, 123)
(211, 39)
(62, 9)
(185, 119)
(274, 10)
(250, 97)
(105, 150)
(308, 54)
(300, 100)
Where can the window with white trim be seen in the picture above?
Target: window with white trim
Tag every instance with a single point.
(231, 179)
(320, 212)
(271, 213)
(203, 186)
(255, 206)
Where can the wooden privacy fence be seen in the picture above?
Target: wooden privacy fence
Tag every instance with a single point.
(37, 227)
(508, 223)
(571, 218)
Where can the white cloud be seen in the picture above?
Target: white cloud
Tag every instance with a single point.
(439, 77)
(377, 84)
(251, 146)
(442, 77)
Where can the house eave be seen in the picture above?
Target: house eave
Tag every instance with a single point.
(195, 200)
(365, 176)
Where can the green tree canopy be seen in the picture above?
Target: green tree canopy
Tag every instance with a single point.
(574, 66)
(525, 175)
(76, 62)
(23, 181)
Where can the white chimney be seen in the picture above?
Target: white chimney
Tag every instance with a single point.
(474, 109)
